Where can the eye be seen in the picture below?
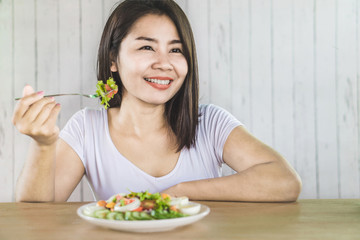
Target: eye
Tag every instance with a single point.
(147, 48)
(176, 50)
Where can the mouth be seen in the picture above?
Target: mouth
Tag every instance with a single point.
(158, 80)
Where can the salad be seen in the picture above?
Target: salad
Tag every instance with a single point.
(142, 206)
(106, 90)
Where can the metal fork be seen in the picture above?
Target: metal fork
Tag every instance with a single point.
(76, 94)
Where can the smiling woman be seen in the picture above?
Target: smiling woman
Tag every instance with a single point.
(156, 58)
(175, 46)
(155, 136)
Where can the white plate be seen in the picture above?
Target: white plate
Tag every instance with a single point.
(144, 225)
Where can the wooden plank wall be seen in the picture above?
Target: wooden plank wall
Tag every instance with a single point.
(289, 70)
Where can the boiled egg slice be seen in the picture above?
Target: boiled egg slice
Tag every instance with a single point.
(128, 207)
(180, 201)
(190, 209)
(89, 211)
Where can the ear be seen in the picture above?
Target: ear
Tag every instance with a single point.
(113, 67)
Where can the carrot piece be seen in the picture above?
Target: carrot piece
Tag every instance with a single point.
(174, 208)
(101, 203)
(165, 195)
(139, 209)
(107, 88)
(110, 205)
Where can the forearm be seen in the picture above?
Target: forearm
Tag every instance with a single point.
(268, 182)
(36, 182)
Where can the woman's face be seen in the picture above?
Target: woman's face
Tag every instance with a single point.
(151, 65)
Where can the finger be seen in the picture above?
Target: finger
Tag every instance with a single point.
(28, 90)
(26, 124)
(51, 120)
(25, 102)
(44, 113)
(47, 132)
(36, 108)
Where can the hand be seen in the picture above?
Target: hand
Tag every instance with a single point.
(36, 116)
(173, 191)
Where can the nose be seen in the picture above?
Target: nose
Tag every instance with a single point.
(162, 62)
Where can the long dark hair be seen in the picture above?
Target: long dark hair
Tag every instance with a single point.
(181, 111)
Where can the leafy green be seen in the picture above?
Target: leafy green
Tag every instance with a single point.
(103, 89)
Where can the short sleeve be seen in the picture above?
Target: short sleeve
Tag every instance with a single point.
(218, 124)
(73, 133)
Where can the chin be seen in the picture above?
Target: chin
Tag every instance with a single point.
(157, 101)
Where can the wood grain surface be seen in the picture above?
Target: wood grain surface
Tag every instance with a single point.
(307, 219)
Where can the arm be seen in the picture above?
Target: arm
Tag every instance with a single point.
(45, 165)
(36, 181)
(262, 175)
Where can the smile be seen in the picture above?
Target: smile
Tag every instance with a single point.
(158, 81)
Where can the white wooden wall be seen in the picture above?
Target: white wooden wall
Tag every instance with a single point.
(288, 69)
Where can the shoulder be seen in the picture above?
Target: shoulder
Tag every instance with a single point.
(94, 112)
(86, 115)
(212, 113)
(208, 109)
(214, 120)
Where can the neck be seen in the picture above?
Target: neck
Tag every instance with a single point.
(138, 119)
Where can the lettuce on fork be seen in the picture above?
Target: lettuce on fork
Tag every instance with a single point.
(106, 90)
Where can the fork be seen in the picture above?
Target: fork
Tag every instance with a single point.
(76, 94)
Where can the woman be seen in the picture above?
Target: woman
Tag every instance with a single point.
(155, 136)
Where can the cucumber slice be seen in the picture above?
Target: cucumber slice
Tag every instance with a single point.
(145, 216)
(141, 216)
(119, 216)
(89, 211)
(111, 215)
(101, 213)
(128, 216)
(136, 215)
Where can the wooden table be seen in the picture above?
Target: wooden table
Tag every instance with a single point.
(306, 219)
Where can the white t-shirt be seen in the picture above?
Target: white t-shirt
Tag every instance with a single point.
(109, 172)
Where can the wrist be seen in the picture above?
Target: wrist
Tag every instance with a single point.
(177, 190)
(40, 146)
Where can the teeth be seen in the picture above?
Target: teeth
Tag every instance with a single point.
(157, 81)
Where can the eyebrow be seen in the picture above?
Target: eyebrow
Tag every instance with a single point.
(175, 41)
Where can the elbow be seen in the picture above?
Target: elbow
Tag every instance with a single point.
(293, 188)
(19, 199)
(32, 200)
(23, 197)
